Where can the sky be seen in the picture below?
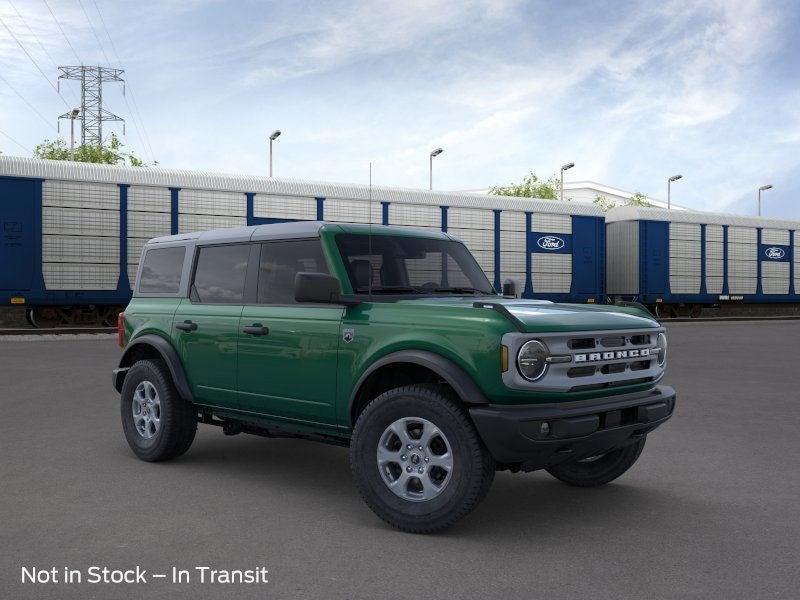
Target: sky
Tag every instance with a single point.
(631, 92)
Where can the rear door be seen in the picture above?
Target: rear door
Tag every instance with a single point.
(17, 244)
(207, 323)
(288, 351)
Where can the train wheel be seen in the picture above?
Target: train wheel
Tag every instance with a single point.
(695, 311)
(109, 316)
(29, 317)
(45, 317)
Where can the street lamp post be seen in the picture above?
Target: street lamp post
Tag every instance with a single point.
(73, 114)
(762, 189)
(564, 168)
(669, 189)
(436, 152)
(272, 138)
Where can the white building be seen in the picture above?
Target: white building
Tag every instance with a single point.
(588, 191)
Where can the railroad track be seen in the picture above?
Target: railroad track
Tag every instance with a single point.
(56, 330)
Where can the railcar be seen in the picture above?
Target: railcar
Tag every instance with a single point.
(72, 233)
(677, 262)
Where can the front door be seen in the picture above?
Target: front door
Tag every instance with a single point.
(288, 351)
(206, 325)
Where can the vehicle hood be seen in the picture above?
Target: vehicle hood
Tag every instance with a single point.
(539, 316)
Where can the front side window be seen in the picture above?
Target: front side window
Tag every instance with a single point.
(409, 265)
(161, 270)
(280, 262)
(220, 274)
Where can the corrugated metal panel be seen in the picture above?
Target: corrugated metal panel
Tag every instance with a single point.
(741, 285)
(187, 223)
(742, 235)
(80, 249)
(714, 233)
(148, 224)
(775, 276)
(79, 194)
(684, 284)
(796, 262)
(73, 276)
(470, 218)
(635, 213)
(149, 199)
(549, 223)
(714, 285)
(160, 177)
(551, 273)
(511, 262)
(354, 211)
(684, 231)
(212, 202)
(410, 214)
(77, 221)
(622, 257)
(512, 220)
(474, 238)
(284, 207)
(775, 236)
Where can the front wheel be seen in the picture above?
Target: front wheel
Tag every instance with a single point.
(601, 469)
(417, 460)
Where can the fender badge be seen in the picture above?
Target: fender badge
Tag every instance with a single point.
(348, 335)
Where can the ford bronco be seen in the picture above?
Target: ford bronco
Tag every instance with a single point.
(390, 341)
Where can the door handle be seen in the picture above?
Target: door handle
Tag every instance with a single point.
(256, 329)
(186, 326)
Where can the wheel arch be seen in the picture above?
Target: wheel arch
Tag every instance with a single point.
(153, 346)
(419, 361)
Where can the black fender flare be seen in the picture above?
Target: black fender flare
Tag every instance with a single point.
(454, 375)
(167, 352)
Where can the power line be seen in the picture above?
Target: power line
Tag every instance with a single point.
(31, 106)
(135, 115)
(38, 41)
(28, 54)
(16, 142)
(66, 39)
(96, 37)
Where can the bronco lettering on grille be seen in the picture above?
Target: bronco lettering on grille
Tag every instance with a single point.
(616, 355)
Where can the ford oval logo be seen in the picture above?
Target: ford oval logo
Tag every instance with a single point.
(550, 242)
(775, 253)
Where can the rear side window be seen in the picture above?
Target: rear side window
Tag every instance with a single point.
(280, 262)
(161, 270)
(220, 274)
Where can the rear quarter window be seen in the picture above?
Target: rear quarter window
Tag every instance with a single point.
(161, 270)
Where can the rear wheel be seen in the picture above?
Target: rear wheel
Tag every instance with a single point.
(598, 470)
(158, 423)
(417, 460)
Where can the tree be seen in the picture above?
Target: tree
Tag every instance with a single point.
(606, 204)
(110, 154)
(531, 187)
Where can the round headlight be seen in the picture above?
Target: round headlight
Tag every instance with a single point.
(662, 349)
(531, 360)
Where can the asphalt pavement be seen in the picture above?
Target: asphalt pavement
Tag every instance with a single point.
(711, 510)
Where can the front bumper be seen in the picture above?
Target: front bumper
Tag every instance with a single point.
(540, 436)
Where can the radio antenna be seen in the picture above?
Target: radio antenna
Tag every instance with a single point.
(369, 236)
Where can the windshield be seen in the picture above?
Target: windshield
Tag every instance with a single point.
(410, 265)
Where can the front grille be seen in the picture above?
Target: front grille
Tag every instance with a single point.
(587, 361)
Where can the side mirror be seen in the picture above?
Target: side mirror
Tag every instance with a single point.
(319, 288)
(509, 288)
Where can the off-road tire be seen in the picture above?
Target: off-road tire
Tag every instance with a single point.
(178, 417)
(600, 471)
(473, 467)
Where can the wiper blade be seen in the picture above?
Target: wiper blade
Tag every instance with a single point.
(461, 290)
(393, 289)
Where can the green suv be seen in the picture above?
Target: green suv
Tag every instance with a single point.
(390, 341)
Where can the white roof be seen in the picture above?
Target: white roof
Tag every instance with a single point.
(156, 176)
(637, 213)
